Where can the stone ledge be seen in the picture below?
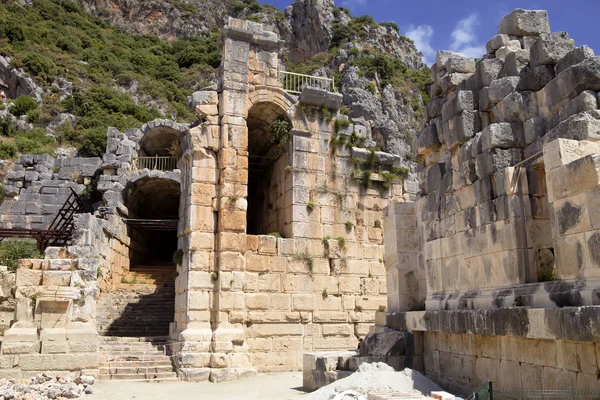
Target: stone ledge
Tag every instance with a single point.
(553, 294)
(569, 323)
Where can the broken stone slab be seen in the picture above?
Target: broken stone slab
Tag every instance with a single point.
(487, 71)
(428, 139)
(571, 82)
(485, 103)
(573, 57)
(502, 135)
(333, 101)
(463, 100)
(434, 107)
(549, 49)
(525, 23)
(536, 78)
(460, 64)
(313, 96)
(517, 106)
(511, 47)
(586, 101)
(391, 343)
(496, 42)
(514, 63)
(451, 81)
(443, 56)
(500, 88)
(582, 126)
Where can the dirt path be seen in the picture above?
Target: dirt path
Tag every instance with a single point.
(280, 386)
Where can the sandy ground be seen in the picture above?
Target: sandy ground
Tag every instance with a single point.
(280, 386)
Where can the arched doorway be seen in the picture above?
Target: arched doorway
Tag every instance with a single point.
(153, 205)
(268, 160)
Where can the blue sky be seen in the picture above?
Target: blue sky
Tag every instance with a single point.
(466, 25)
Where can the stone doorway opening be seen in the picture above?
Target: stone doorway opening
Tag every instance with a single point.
(144, 303)
(269, 210)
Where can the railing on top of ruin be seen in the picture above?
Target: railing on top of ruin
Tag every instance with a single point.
(293, 83)
(160, 163)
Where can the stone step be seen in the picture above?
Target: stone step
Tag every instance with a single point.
(158, 376)
(134, 346)
(121, 357)
(135, 364)
(116, 369)
(160, 338)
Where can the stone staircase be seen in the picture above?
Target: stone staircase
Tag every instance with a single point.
(135, 359)
(134, 324)
(142, 305)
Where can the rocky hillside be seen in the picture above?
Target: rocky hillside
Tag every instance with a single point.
(123, 62)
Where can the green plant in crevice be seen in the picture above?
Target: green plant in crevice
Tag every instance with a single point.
(310, 205)
(306, 258)
(325, 294)
(388, 179)
(366, 178)
(341, 242)
(178, 257)
(341, 124)
(279, 129)
(214, 276)
(349, 225)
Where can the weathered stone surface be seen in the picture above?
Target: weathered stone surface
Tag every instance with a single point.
(487, 71)
(510, 47)
(549, 49)
(384, 344)
(502, 87)
(463, 100)
(571, 82)
(582, 126)
(514, 63)
(461, 65)
(496, 42)
(502, 135)
(524, 23)
(428, 138)
(573, 57)
(536, 78)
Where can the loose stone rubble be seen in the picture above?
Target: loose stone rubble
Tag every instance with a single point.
(45, 386)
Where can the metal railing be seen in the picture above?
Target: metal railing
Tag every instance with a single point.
(292, 82)
(161, 163)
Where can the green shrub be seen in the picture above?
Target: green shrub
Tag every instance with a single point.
(7, 127)
(370, 86)
(12, 250)
(94, 144)
(34, 142)
(39, 66)
(7, 150)
(22, 105)
(65, 133)
(390, 25)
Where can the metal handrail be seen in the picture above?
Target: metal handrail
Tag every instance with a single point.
(160, 163)
(292, 82)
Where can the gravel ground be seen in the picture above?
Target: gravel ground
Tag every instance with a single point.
(280, 386)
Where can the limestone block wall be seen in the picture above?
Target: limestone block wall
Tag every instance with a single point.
(37, 186)
(484, 211)
(507, 221)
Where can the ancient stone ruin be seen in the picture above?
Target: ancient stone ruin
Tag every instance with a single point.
(233, 244)
(271, 231)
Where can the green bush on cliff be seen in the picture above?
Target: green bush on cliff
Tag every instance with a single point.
(57, 38)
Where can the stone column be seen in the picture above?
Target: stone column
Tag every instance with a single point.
(573, 179)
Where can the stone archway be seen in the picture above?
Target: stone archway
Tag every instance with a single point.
(268, 157)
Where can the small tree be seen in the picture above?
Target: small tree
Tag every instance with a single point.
(12, 250)
(22, 105)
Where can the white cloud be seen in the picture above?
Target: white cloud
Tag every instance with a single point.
(422, 35)
(464, 38)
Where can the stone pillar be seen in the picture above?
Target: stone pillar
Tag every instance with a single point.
(405, 273)
(573, 179)
(196, 282)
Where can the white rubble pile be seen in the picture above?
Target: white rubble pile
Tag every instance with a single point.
(377, 378)
(44, 386)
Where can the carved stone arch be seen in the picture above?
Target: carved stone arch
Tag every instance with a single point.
(159, 136)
